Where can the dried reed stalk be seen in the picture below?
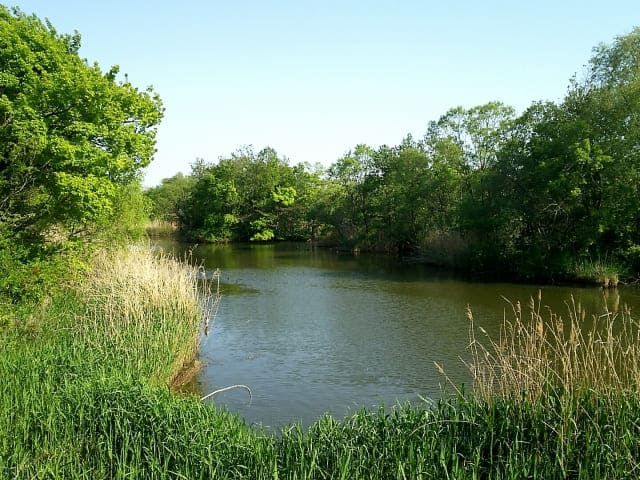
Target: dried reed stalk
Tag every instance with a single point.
(538, 350)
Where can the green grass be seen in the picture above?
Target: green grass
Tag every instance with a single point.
(141, 313)
(604, 273)
(85, 393)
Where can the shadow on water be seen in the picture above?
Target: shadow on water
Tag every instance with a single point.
(236, 289)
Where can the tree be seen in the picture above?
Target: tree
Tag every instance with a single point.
(478, 132)
(249, 197)
(71, 136)
(131, 212)
(464, 145)
(354, 211)
(73, 141)
(607, 99)
(169, 195)
(566, 183)
(210, 211)
(403, 196)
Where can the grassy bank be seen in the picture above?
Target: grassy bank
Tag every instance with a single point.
(160, 228)
(85, 393)
(604, 273)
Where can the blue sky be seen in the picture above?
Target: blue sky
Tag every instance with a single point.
(313, 79)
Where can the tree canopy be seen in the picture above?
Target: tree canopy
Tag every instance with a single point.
(72, 137)
(73, 143)
(247, 197)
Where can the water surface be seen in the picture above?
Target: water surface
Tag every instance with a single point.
(313, 331)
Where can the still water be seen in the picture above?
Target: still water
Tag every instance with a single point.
(313, 331)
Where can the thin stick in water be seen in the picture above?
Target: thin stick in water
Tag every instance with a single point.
(220, 390)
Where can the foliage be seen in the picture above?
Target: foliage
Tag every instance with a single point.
(564, 186)
(248, 196)
(30, 273)
(354, 213)
(167, 197)
(477, 133)
(539, 195)
(70, 135)
(85, 373)
(73, 141)
(130, 214)
(208, 213)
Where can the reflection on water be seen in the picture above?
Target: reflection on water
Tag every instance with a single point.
(311, 331)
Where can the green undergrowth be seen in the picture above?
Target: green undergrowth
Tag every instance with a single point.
(60, 423)
(597, 272)
(85, 393)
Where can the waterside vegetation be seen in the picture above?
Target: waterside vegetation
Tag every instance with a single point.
(93, 339)
(539, 195)
(86, 393)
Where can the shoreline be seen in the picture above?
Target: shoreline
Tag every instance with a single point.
(107, 411)
(595, 277)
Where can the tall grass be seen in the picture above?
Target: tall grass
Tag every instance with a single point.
(603, 272)
(142, 312)
(573, 381)
(125, 331)
(160, 228)
(539, 350)
(84, 395)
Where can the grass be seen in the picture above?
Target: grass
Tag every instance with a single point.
(85, 393)
(539, 350)
(596, 272)
(160, 228)
(142, 312)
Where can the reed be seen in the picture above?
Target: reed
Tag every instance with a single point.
(160, 228)
(602, 272)
(142, 311)
(539, 350)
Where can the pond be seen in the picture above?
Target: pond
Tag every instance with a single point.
(312, 331)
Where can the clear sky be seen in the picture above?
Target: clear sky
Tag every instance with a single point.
(314, 78)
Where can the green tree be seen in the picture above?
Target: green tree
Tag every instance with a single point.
(70, 135)
(607, 100)
(73, 141)
(566, 185)
(249, 197)
(403, 196)
(169, 195)
(478, 132)
(131, 211)
(265, 184)
(464, 145)
(354, 211)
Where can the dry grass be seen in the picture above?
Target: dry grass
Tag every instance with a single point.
(146, 307)
(444, 248)
(160, 228)
(538, 350)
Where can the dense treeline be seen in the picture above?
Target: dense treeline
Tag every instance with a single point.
(549, 193)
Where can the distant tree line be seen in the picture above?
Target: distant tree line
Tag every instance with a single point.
(484, 188)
